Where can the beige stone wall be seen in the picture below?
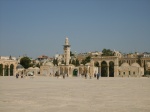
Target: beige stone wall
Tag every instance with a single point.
(9, 63)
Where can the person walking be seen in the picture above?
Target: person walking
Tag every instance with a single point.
(63, 75)
(98, 76)
(85, 76)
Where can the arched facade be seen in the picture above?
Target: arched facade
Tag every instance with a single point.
(105, 59)
(8, 67)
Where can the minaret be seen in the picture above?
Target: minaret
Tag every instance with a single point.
(67, 51)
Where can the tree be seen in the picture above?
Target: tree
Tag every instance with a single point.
(73, 62)
(107, 52)
(96, 64)
(83, 62)
(55, 62)
(25, 62)
(71, 54)
(77, 62)
(86, 60)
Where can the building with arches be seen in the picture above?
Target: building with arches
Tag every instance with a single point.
(108, 66)
(8, 67)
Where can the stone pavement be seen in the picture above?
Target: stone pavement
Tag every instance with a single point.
(74, 94)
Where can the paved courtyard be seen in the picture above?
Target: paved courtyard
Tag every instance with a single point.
(49, 94)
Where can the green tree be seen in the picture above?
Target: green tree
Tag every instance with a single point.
(83, 62)
(71, 54)
(107, 52)
(86, 60)
(77, 62)
(55, 62)
(25, 62)
(96, 64)
(73, 62)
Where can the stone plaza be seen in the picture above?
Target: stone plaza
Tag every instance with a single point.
(74, 94)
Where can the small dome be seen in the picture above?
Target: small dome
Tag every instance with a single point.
(125, 65)
(19, 67)
(36, 68)
(30, 68)
(49, 64)
(135, 65)
(148, 64)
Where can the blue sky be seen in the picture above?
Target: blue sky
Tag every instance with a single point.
(37, 27)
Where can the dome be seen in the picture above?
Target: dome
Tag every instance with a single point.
(125, 65)
(30, 68)
(135, 65)
(19, 67)
(148, 64)
(49, 64)
(36, 68)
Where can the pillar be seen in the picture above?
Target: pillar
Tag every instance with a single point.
(8, 71)
(92, 68)
(107, 71)
(3, 71)
(116, 67)
(99, 70)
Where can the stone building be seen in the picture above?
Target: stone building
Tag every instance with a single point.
(8, 67)
(115, 66)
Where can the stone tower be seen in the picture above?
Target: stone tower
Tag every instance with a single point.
(67, 51)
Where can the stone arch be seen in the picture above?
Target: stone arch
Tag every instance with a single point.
(103, 69)
(11, 70)
(75, 72)
(1, 69)
(6, 72)
(111, 69)
(5, 67)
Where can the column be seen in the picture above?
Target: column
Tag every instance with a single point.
(116, 68)
(14, 72)
(92, 68)
(8, 71)
(99, 70)
(3, 71)
(107, 71)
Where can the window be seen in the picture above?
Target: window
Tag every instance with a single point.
(124, 73)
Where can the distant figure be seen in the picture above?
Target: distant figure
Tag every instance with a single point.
(56, 74)
(85, 75)
(17, 75)
(63, 75)
(95, 75)
(98, 74)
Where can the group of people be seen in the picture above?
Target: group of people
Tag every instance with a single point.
(95, 75)
(17, 75)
